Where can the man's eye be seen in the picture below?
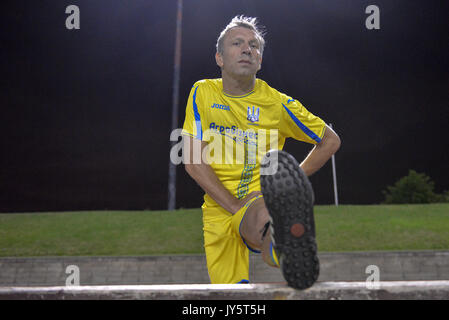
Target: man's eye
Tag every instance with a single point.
(236, 43)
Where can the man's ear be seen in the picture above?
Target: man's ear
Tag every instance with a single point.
(219, 59)
(260, 64)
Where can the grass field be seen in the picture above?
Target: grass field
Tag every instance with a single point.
(343, 228)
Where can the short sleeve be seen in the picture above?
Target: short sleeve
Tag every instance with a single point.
(192, 123)
(298, 123)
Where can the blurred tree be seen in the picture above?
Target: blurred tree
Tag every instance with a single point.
(413, 188)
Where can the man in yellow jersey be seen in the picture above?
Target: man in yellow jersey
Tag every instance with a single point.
(230, 123)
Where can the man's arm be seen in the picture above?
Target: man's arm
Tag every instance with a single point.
(322, 152)
(205, 176)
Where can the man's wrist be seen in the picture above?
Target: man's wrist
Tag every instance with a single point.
(235, 206)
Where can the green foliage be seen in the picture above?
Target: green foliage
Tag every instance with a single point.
(444, 197)
(414, 188)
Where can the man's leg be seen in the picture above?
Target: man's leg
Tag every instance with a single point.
(227, 257)
(288, 205)
(255, 231)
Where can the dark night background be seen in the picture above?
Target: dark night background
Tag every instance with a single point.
(86, 114)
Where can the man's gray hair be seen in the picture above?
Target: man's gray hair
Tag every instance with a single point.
(246, 22)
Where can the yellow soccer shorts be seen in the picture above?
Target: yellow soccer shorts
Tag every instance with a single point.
(227, 253)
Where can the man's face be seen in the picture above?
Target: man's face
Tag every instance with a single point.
(241, 53)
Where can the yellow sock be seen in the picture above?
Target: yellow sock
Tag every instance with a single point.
(273, 255)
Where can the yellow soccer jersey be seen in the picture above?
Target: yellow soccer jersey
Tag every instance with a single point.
(241, 129)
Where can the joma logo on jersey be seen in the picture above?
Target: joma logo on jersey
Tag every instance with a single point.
(253, 115)
(220, 106)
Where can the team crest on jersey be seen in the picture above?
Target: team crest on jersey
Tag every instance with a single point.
(253, 114)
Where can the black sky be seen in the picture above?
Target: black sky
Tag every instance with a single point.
(86, 114)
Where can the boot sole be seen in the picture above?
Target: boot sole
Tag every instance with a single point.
(289, 198)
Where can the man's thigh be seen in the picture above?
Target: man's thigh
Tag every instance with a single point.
(253, 223)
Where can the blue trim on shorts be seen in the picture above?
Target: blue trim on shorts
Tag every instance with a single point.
(243, 281)
(250, 249)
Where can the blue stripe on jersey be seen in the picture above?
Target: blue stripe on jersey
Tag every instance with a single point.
(243, 281)
(301, 125)
(199, 131)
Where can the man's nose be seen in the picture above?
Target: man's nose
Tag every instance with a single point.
(246, 49)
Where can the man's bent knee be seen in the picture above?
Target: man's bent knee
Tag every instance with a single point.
(254, 223)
